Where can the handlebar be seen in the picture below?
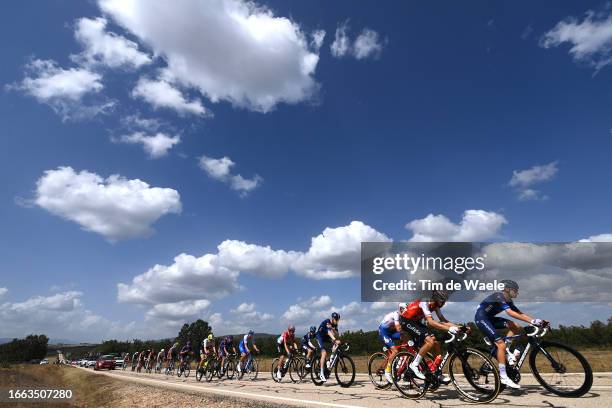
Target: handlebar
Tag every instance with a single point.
(538, 331)
(462, 335)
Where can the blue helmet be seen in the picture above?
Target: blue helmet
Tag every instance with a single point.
(313, 329)
(251, 332)
(335, 316)
(510, 284)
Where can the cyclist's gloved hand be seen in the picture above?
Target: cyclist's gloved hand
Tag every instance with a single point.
(537, 322)
(453, 330)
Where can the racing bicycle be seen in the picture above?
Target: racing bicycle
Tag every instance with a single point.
(558, 368)
(294, 365)
(250, 367)
(339, 362)
(184, 367)
(471, 371)
(378, 362)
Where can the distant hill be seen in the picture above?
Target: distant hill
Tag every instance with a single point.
(52, 341)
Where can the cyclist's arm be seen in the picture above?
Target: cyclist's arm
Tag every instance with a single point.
(398, 326)
(286, 347)
(436, 325)
(441, 316)
(519, 315)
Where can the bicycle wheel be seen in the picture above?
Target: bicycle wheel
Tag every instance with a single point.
(295, 368)
(211, 369)
(302, 370)
(187, 370)
(274, 369)
(254, 371)
(179, 372)
(474, 376)
(561, 369)
(231, 369)
(406, 382)
(316, 369)
(345, 371)
(199, 373)
(376, 370)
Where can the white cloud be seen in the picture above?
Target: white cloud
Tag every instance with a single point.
(522, 180)
(368, 43)
(64, 89)
(318, 37)
(342, 44)
(106, 48)
(246, 313)
(161, 94)
(221, 170)
(156, 145)
(598, 238)
(3, 291)
(180, 311)
(475, 225)
(188, 278)
(137, 122)
(590, 40)
(62, 315)
(115, 207)
(233, 34)
(255, 259)
(321, 301)
(335, 253)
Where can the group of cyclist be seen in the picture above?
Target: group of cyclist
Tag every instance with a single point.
(414, 319)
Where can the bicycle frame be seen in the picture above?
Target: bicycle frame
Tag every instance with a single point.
(533, 341)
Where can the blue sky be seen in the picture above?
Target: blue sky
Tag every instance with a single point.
(429, 110)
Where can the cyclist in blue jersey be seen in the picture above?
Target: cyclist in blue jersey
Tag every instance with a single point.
(327, 337)
(488, 322)
(244, 348)
(307, 346)
(226, 346)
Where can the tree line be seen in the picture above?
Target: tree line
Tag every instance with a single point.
(33, 347)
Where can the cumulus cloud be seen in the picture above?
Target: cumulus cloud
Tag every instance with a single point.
(589, 39)
(367, 44)
(181, 310)
(475, 225)
(255, 259)
(64, 89)
(162, 94)
(335, 253)
(188, 278)
(3, 291)
(62, 314)
(598, 238)
(236, 34)
(115, 207)
(522, 180)
(109, 49)
(246, 313)
(156, 146)
(221, 170)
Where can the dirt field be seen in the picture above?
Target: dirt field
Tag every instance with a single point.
(90, 390)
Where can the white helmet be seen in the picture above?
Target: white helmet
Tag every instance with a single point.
(402, 306)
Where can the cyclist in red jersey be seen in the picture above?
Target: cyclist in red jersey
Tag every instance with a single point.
(285, 343)
(413, 317)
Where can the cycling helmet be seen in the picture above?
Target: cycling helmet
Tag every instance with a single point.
(210, 336)
(251, 332)
(402, 306)
(162, 350)
(313, 329)
(291, 328)
(230, 338)
(188, 342)
(510, 284)
(335, 316)
(439, 296)
(176, 344)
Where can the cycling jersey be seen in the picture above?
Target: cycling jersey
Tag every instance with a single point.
(323, 337)
(208, 344)
(286, 338)
(417, 310)
(160, 356)
(244, 344)
(487, 321)
(387, 331)
(307, 341)
(185, 350)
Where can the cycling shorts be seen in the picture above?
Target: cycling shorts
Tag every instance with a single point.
(242, 348)
(325, 342)
(281, 350)
(387, 335)
(489, 325)
(417, 330)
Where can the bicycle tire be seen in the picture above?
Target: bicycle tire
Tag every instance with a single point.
(346, 364)
(485, 395)
(588, 371)
(254, 371)
(230, 370)
(378, 376)
(294, 371)
(274, 369)
(315, 370)
(404, 379)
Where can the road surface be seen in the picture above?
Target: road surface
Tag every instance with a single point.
(363, 393)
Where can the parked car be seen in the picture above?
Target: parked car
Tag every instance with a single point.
(118, 362)
(45, 361)
(105, 362)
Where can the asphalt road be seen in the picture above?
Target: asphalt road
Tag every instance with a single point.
(363, 393)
